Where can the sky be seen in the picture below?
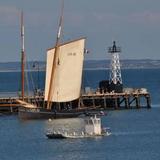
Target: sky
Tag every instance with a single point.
(133, 24)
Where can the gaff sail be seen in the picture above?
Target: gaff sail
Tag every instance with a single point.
(67, 77)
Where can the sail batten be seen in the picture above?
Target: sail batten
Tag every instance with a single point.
(68, 71)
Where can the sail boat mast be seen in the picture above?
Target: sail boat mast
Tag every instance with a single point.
(22, 57)
(55, 58)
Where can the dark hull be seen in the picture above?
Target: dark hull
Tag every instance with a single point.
(27, 113)
(55, 136)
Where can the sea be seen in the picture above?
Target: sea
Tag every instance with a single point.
(135, 133)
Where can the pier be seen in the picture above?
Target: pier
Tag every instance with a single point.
(117, 100)
(10, 104)
(94, 100)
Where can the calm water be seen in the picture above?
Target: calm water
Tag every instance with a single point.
(135, 136)
(136, 78)
(135, 133)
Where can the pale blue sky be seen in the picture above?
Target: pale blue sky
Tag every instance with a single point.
(134, 24)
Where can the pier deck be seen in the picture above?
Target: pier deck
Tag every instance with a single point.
(95, 100)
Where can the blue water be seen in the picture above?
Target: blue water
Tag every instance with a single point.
(136, 78)
(132, 78)
(11, 81)
(135, 136)
(135, 133)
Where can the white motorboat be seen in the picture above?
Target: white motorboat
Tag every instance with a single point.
(91, 128)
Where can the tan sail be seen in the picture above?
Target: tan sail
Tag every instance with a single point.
(68, 71)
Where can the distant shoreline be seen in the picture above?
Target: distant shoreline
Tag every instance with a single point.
(88, 65)
(85, 69)
(20, 71)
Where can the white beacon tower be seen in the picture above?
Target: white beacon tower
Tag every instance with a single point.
(115, 78)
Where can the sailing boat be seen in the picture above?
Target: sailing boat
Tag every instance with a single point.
(63, 81)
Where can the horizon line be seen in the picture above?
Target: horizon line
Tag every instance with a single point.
(85, 60)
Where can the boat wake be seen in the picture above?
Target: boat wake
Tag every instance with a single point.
(74, 135)
(134, 133)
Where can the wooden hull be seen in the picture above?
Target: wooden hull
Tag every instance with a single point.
(27, 113)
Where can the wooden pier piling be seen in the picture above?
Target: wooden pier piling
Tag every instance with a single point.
(148, 101)
(117, 100)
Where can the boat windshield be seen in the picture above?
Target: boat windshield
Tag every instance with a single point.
(92, 121)
(89, 121)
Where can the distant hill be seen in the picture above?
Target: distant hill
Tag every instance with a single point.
(125, 64)
(88, 64)
(16, 66)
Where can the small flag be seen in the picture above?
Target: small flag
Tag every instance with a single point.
(86, 51)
